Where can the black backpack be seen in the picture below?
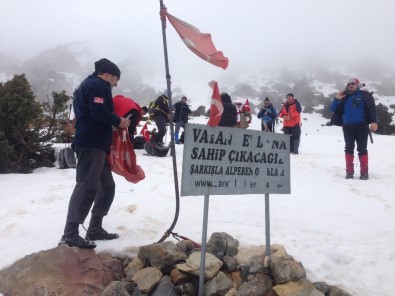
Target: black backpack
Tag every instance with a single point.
(67, 158)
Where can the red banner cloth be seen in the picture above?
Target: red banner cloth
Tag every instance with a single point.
(199, 43)
(122, 158)
(216, 107)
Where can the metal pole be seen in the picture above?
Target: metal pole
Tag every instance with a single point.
(173, 149)
(267, 224)
(203, 250)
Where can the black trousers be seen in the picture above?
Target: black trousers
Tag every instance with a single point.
(294, 132)
(95, 184)
(356, 134)
(161, 124)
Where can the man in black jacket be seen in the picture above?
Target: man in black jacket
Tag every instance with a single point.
(93, 107)
(161, 116)
(181, 111)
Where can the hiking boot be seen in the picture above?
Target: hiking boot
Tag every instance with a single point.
(349, 176)
(364, 177)
(100, 234)
(77, 241)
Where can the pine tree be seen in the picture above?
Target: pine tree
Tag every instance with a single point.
(26, 128)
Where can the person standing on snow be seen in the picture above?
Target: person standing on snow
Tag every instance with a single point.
(181, 111)
(243, 117)
(355, 110)
(161, 116)
(229, 116)
(290, 113)
(93, 107)
(268, 115)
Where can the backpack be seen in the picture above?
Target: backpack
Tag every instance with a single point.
(67, 158)
(152, 108)
(138, 142)
(153, 149)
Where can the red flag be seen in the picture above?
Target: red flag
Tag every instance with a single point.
(216, 108)
(144, 131)
(200, 43)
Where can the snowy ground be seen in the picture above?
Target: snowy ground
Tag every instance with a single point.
(343, 231)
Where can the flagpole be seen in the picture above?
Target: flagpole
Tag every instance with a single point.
(172, 145)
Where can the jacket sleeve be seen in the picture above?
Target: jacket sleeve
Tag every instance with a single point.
(370, 107)
(334, 104)
(274, 113)
(260, 114)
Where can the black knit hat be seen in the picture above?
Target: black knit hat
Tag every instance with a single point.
(106, 66)
(290, 94)
(266, 99)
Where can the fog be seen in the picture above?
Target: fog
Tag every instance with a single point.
(254, 34)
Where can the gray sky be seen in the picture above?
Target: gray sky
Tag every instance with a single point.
(253, 34)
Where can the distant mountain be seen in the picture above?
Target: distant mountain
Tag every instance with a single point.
(64, 67)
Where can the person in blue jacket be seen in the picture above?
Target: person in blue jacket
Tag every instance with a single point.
(268, 115)
(355, 110)
(93, 108)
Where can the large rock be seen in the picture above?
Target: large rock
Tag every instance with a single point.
(300, 288)
(162, 255)
(60, 271)
(192, 265)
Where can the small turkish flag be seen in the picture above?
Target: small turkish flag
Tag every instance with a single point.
(144, 131)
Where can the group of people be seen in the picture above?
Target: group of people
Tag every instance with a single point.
(353, 108)
(237, 115)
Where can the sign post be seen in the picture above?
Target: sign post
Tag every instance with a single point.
(231, 161)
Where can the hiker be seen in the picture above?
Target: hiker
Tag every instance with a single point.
(290, 113)
(229, 116)
(181, 111)
(128, 108)
(355, 110)
(243, 116)
(268, 115)
(93, 106)
(161, 116)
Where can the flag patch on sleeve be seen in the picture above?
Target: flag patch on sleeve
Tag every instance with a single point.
(98, 100)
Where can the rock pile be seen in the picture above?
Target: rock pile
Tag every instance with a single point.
(163, 269)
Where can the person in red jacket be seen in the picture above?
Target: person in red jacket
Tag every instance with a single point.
(290, 113)
(126, 107)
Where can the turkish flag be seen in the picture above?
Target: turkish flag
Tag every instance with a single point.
(200, 43)
(144, 131)
(216, 107)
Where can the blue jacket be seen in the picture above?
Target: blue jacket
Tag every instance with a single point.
(355, 109)
(267, 114)
(93, 108)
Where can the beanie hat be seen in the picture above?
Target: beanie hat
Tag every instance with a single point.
(145, 109)
(290, 94)
(356, 81)
(266, 99)
(106, 66)
(225, 98)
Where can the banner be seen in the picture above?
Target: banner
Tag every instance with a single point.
(199, 43)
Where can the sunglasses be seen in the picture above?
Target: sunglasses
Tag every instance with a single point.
(351, 83)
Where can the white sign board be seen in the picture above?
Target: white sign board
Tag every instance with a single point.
(227, 161)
